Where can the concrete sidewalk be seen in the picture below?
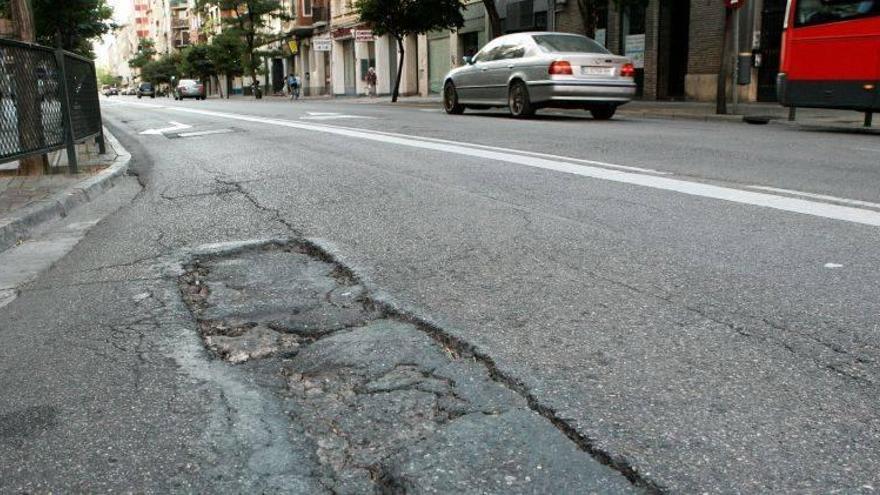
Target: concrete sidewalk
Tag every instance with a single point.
(28, 201)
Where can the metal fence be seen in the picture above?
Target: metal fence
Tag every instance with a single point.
(48, 101)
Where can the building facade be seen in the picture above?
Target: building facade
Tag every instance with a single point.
(676, 45)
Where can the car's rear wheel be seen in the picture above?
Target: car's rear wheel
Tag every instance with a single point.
(518, 100)
(450, 100)
(603, 112)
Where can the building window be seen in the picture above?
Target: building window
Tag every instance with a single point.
(307, 8)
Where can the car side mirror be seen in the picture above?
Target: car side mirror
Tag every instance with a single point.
(467, 60)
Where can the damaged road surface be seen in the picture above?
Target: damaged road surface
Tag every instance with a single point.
(388, 403)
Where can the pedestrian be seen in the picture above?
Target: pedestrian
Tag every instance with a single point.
(293, 86)
(371, 82)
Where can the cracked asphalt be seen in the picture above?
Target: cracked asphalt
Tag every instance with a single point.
(692, 344)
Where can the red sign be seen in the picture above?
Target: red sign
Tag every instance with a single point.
(734, 4)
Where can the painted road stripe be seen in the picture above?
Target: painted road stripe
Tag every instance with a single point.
(854, 202)
(766, 200)
(204, 133)
(519, 152)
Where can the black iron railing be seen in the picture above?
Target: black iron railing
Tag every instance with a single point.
(48, 101)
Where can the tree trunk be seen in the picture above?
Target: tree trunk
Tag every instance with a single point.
(721, 87)
(400, 51)
(588, 16)
(26, 95)
(219, 85)
(494, 19)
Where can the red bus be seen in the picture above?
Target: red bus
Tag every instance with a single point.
(831, 55)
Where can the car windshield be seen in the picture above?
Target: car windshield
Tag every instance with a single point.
(558, 43)
(146, 86)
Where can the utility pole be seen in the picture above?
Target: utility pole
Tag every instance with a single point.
(23, 20)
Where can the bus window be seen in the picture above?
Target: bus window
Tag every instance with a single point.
(811, 12)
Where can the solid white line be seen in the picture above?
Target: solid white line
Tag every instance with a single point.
(520, 152)
(783, 203)
(854, 202)
(204, 133)
(334, 117)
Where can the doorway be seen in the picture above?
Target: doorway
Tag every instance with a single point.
(674, 27)
(772, 17)
(277, 75)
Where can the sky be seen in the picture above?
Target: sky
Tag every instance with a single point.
(121, 13)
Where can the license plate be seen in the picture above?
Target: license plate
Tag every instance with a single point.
(597, 71)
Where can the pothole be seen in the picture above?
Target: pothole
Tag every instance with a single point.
(388, 406)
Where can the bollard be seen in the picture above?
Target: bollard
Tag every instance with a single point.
(869, 116)
(792, 113)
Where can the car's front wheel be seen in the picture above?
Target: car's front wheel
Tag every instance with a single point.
(450, 100)
(603, 112)
(518, 100)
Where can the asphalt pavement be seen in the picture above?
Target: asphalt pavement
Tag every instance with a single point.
(693, 303)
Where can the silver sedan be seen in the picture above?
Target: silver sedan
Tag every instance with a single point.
(528, 71)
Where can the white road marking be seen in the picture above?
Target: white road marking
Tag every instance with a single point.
(520, 152)
(833, 265)
(783, 203)
(854, 202)
(334, 117)
(177, 127)
(204, 133)
(323, 113)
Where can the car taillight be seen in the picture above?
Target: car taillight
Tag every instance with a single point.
(200, 87)
(560, 68)
(628, 70)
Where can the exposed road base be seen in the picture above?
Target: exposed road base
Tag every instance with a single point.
(391, 405)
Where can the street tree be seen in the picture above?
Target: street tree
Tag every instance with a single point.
(164, 70)
(146, 52)
(494, 18)
(402, 18)
(224, 52)
(589, 11)
(194, 61)
(75, 23)
(106, 77)
(250, 20)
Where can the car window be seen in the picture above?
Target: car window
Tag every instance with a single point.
(487, 52)
(560, 43)
(188, 82)
(822, 11)
(505, 52)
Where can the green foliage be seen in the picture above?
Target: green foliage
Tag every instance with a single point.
(144, 55)
(76, 22)
(400, 18)
(196, 62)
(106, 77)
(162, 70)
(249, 21)
(224, 52)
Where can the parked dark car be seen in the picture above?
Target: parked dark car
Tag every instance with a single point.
(146, 89)
(189, 88)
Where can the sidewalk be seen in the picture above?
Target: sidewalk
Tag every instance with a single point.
(27, 201)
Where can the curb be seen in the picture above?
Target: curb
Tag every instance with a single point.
(18, 226)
